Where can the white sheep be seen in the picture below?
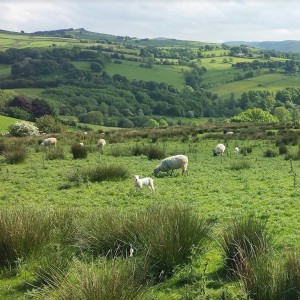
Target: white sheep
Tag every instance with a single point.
(236, 150)
(219, 150)
(140, 182)
(51, 141)
(171, 163)
(101, 143)
(81, 144)
(229, 133)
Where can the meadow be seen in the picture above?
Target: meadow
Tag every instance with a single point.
(217, 188)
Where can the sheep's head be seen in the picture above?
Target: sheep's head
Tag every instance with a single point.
(155, 172)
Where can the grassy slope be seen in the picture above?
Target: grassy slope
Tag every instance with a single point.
(5, 122)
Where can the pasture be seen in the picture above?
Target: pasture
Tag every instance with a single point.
(217, 188)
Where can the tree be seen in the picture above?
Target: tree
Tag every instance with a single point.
(254, 115)
(41, 107)
(49, 124)
(282, 114)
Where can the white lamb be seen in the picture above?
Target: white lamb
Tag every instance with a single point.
(101, 143)
(140, 182)
(236, 150)
(51, 141)
(173, 162)
(219, 150)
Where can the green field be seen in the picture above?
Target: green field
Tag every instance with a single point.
(267, 189)
(5, 122)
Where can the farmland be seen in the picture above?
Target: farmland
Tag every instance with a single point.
(217, 188)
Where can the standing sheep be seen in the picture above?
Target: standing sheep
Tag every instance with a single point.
(51, 141)
(171, 163)
(139, 182)
(101, 143)
(219, 150)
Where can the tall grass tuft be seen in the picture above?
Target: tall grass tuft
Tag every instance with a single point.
(240, 165)
(263, 276)
(99, 173)
(14, 153)
(23, 231)
(104, 280)
(54, 153)
(105, 233)
(170, 234)
(151, 151)
(244, 236)
(292, 269)
(79, 151)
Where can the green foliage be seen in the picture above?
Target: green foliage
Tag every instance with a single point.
(240, 165)
(49, 124)
(151, 151)
(22, 128)
(254, 115)
(271, 153)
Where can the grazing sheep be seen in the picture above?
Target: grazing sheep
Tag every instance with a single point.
(171, 163)
(101, 143)
(236, 150)
(219, 150)
(229, 133)
(81, 144)
(49, 142)
(139, 182)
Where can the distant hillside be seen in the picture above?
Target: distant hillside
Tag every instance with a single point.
(288, 45)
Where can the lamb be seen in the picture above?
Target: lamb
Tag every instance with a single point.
(51, 141)
(101, 143)
(219, 150)
(171, 163)
(139, 182)
(236, 150)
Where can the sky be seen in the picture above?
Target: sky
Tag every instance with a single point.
(215, 21)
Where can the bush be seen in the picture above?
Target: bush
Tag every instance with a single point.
(23, 128)
(152, 152)
(79, 151)
(282, 149)
(246, 150)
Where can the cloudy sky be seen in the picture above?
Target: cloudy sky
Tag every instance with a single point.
(202, 20)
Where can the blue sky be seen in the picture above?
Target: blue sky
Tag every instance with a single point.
(208, 21)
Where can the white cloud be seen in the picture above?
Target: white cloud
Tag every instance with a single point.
(202, 20)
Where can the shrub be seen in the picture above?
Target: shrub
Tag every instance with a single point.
(23, 128)
(152, 152)
(243, 238)
(292, 269)
(79, 151)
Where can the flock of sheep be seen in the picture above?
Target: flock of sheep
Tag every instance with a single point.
(168, 164)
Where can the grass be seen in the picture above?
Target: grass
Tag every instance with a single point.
(213, 189)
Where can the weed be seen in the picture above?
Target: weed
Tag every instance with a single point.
(79, 151)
